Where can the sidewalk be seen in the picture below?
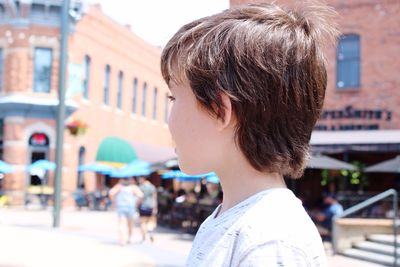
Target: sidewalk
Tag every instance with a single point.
(89, 238)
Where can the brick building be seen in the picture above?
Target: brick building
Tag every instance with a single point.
(363, 78)
(361, 115)
(120, 92)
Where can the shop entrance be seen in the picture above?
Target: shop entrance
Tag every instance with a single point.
(39, 150)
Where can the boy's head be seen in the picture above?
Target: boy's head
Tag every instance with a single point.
(269, 63)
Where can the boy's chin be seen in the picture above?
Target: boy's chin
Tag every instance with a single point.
(192, 170)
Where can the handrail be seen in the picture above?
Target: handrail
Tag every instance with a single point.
(362, 205)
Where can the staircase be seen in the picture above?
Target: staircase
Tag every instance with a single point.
(377, 248)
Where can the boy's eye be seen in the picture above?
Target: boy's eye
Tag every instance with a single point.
(171, 98)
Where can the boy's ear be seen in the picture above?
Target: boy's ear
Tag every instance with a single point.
(227, 116)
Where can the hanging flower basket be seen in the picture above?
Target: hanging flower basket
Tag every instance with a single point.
(77, 127)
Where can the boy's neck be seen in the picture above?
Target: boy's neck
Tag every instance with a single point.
(240, 182)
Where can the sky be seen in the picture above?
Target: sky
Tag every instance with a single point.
(156, 21)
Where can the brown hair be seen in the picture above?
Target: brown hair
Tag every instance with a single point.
(269, 61)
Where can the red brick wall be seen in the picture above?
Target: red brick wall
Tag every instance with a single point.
(377, 23)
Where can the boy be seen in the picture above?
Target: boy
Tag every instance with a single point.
(248, 86)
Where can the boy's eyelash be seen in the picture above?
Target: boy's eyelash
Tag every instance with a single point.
(171, 98)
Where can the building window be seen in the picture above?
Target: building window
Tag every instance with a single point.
(134, 95)
(38, 10)
(17, 8)
(2, 11)
(1, 69)
(166, 111)
(42, 73)
(107, 85)
(120, 88)
(55, 12)
(81, 161)
(86, 78)
(144, 96)
(155, 103)
(348, 62)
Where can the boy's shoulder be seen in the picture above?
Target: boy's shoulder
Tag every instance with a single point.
(277, 209)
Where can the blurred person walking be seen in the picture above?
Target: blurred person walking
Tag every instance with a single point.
(127, 197)
(148, 208)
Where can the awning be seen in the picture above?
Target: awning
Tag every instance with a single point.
(115, 152)
(33, 106)
(341, 141)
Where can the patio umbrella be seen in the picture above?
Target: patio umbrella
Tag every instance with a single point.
(135, 168)
(181, 176)
(173, 174)
(325, 162)
(391, 165)
(5, 167)
(42, 164)
(95, 167)
(213, 178)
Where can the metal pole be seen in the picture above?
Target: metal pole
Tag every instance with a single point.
(395, 219)
(64, 30)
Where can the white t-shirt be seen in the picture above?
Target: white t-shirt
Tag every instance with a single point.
(270, 228)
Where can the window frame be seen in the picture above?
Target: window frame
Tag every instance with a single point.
(106, 86)
(86, 80)
(35, 83)
(354, 59)
(134, 95)
(120, 89)
(144, 98)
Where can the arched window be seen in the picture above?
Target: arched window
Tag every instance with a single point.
(348, 62)
(81, 161)
(39, 145)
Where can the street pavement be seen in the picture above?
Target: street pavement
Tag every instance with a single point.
(89, 238)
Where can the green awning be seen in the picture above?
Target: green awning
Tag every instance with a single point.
(115, 152)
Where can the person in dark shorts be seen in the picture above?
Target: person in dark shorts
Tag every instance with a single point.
(147, 208)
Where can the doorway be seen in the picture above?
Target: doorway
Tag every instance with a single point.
(38, 178)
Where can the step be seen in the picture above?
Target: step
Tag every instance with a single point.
(384, 239)
(376, 247)
(369, 256)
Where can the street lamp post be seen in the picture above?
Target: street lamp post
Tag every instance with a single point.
(64, 30)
